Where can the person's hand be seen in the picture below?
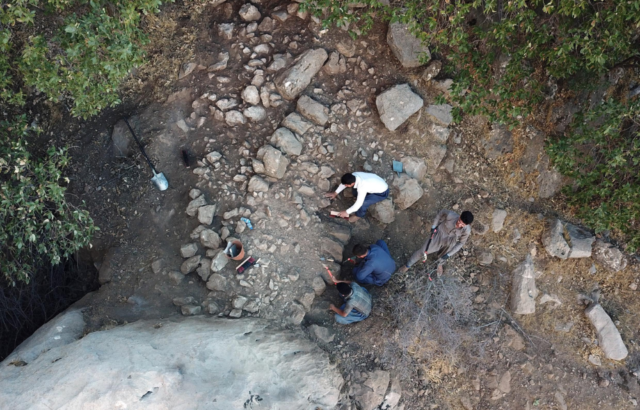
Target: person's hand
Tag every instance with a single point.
(332, 307)
(331, 195)
(403, 269)
(343, 214)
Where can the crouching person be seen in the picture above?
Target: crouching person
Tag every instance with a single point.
(357, 306)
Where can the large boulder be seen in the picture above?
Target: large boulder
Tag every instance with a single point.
(257, 184)
(609, 338)
(553, 240)
(397, 104)
(580, 241)
(275, 163)
(564, 240)
(370, 388)
(182, 363)
(60, 331)
(331, 248)
(294, 80)
(383, 211)
(405, 46)
(296, 123)
(440, 114)
(313, 110)
(408, 191)
(284, 139)
(523, 288)
(609, 256)
(414, 167)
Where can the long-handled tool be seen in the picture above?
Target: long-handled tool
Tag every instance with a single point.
(330, 274)
(424, 259)
(158, 179)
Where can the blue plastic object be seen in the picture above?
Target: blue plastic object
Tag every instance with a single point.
(248, 222)
(397, 167)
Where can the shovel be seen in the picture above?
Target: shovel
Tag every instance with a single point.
(158, 179)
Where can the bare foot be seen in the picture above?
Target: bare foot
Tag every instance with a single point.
(403, 269)
(440, 270)
(353, 218)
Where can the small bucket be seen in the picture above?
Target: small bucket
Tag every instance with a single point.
(236, 252)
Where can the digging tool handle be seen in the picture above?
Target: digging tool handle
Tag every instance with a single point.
(141, 147)
(429, 243)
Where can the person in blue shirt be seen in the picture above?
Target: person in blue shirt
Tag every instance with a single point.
(376, 264)
(357, 303)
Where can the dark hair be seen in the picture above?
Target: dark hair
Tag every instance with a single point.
(359, 249)
(348, 179)
(344, 288)
(466, 217)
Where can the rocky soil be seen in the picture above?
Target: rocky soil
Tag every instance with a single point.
(261, 116)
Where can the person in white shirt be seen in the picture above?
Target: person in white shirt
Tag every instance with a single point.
(368, 189)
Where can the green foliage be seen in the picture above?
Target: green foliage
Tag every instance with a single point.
(37, 224)
(603, 158)
(92, 49)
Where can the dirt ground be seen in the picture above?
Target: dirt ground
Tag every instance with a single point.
(546, 368)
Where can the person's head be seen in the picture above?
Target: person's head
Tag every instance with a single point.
(344, 289)
(465, 219)
(348, 180)
(360, 250)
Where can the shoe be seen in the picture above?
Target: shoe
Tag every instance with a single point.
(353, 218)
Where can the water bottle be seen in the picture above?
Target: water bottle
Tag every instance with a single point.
(248, 222)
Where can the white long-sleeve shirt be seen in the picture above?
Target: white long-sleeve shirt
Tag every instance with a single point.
(366, 183)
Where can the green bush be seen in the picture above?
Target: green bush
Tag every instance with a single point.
(602, 156)
(37, 224)
(90, 52)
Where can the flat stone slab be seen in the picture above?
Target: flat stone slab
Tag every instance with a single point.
(296, 123)
(294, 80)
(397, 104)
(405, 46)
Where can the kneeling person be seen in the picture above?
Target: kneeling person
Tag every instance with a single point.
(357, 304)
(368, 189)
(376, 265)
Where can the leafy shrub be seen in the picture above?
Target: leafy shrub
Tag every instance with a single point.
(95, 46)
(602, 156)
(37, 224)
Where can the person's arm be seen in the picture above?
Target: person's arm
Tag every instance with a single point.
(343, 313)
(359, 201)
(463, 240)
(340, 188)
(442, 216)
(364, 272)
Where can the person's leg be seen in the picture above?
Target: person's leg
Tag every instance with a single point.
(383, 245)
(369, 200)
(353, 317)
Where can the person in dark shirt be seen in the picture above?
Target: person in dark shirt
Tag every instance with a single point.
(376, 264)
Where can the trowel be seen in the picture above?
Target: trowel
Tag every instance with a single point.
(159, 180)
